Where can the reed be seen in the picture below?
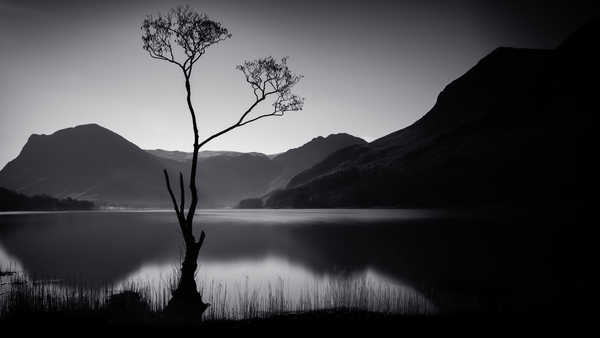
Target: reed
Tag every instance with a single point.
(21, 295)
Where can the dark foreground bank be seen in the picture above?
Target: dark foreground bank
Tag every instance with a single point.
(340, 321)
(130, 313)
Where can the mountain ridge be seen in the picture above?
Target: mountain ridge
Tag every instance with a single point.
(94, 163)
(496, 134)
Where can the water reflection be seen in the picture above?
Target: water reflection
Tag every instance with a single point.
(105, 247)
(275, 285)
(502, 257)
(306, 257)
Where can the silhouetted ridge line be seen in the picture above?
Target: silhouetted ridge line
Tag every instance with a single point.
(511, 130)
(93, 163)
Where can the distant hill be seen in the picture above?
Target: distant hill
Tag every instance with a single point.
(516, 128)
(87, 162)
(299, 159)
(228, 178)
(12, 201)
(182, 156)
(93, 163)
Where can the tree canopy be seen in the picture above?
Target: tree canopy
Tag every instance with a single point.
(181, 27)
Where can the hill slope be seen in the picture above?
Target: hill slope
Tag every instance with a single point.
(299, 159)
(510, 130)
(225, 178)
(87, 162)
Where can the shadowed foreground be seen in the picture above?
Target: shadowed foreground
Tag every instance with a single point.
(85, 309)
(335, 321)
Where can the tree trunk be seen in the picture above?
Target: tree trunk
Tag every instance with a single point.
(187, 302)
(187, 281)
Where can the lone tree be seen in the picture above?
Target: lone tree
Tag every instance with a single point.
(181, 37)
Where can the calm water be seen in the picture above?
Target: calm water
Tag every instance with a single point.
(295, 251)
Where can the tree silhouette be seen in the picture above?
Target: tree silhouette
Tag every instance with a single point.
(181, 37)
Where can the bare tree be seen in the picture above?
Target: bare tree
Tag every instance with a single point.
(181, 37)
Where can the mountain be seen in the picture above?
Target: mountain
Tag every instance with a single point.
(87, 162)
(516, 128)
(12, 201)
(225, 178)
(93, 163)
(299, 159)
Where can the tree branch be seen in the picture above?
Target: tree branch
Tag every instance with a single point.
(262, 98)
(262, 116)
(210, 138)
(171, 192)
(201, 240)
(157, 56)
(188, 236)
(182, 199)
(240, 123)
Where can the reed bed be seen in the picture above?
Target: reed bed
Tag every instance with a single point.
(349, 294)
(20, 294)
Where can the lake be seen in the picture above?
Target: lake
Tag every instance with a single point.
(390, 258)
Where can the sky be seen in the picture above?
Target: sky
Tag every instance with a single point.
(370, 67)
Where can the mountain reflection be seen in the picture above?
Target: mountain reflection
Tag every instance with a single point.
(105, 247)
(494, 255)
